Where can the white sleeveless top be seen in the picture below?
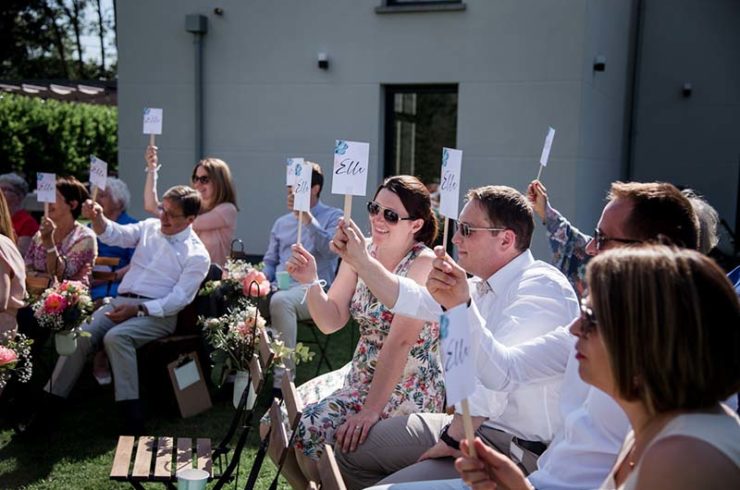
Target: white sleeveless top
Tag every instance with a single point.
(722, 431)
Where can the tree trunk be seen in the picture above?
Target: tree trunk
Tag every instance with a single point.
(101, 34)
(58, 38)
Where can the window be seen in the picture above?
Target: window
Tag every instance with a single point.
(419, 121)
(394, 3)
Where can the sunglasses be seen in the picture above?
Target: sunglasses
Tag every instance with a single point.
(168, 214)
(390, 216)
(588, 320)
(602, 239)
(203, 179)
(466, 230)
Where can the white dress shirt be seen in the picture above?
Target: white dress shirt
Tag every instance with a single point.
(167, 268)
(527, 298)
(583, 452)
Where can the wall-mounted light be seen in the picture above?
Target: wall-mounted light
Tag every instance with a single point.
(600, 63)
(218, 11)
(687, 89)
(323, 61)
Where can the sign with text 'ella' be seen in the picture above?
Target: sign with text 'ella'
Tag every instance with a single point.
(350, 168)
(46, 187)
(548, 146)
(290, 164)
(152, 120)
(449, 183)
(457, 355)
(302, 186)
(98, 172)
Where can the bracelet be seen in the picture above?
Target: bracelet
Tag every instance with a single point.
(156, 169)
(320, 282)
(447, 438)
(52, 249)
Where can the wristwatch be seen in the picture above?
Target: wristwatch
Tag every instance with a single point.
(141, 311)
(447, 439)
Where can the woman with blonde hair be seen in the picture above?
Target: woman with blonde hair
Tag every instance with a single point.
(660, 333)
(216, 222)
(12, 273)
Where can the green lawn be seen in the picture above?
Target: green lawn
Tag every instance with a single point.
(79, 453)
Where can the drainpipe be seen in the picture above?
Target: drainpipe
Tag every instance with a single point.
(198, 25)
(632, 99)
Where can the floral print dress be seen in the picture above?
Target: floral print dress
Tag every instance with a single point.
(332, 397)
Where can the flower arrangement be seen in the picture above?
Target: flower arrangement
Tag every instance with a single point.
(63, 308)
(240, 278)
(233, 337)
(15, 358)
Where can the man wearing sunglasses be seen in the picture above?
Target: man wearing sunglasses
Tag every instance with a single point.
(584, 450)
(319, 225)
(512, 290)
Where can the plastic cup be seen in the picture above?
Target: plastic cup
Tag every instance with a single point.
(192, 479)
(283, 279)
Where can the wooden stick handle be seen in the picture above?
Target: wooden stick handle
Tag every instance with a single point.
(46, 210)
(300, 225)
(539, 174)
(445, 232)
(468, 425)
(94, 192)
(151, 139)
(347, 207)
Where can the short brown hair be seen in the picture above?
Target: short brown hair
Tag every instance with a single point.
(72, 189)
(660, 211)
(317, 176)
(506, 207)
(186, 197)
(417, 201)
(670, 321)
(220, 175)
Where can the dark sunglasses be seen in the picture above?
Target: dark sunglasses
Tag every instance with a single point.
(466, 230)
(204, 179)
(389, 215)
(588, 320)
(602, 239)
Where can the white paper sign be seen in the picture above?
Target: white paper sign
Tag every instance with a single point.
(302, 186)
(98, 172)
(186, 375)
(449, 183)
(350, 168)
(459, 365)
(546, 149)
(290, 164)
(152, 121)
(46, 187)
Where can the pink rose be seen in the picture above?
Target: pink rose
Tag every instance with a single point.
(55, 303)
(7, 356)
(255, 284)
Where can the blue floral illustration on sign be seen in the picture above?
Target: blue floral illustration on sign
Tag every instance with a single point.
(298, 170)
(445, 157)
(444, 326)
(341, 147)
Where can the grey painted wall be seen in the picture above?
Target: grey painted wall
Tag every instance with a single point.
(521, 66)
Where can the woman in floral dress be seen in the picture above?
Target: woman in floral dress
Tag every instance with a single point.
(396, 367)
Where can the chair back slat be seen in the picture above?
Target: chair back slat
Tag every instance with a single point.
(163, 463)
(122, 459)
(266, 354)
(331, 478)
(203, 455)
(278, 436)
(143, 461)
(108, 261)
(184, 454)
(293, 403)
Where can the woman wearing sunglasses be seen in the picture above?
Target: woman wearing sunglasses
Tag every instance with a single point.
(660, 333)
(396, 366)
(216, 222)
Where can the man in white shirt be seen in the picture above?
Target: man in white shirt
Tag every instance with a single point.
(521, 299)
(167, 268)
(584, 450)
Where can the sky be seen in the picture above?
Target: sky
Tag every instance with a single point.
(91, 42)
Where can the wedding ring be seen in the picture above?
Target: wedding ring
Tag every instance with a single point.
(358, 428)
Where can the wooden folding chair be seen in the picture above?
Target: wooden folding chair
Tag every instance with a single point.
(155, 459)
(331, 478)
(37, 284)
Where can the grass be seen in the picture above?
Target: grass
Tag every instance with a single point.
(79, 453)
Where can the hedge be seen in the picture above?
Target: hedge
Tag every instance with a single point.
(38, 135)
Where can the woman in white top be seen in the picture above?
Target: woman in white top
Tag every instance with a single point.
(660, 333)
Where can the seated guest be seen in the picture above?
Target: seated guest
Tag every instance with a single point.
(12, 274)
(593, 424)
(396, 367)
(659, 332)
(114, 200)
(519, 297)
(15, 189)
(167, 268)
(216, 221)
(287, 307)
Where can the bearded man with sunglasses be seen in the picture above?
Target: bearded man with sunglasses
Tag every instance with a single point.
(584, 450)
(520, 297)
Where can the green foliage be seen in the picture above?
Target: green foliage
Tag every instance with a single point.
(38, 135)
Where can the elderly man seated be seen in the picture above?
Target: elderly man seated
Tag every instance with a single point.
(166, 270)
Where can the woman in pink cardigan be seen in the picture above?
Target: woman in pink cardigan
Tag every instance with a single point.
(217, 219)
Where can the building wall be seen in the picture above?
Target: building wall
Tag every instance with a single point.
(692, 141)
(521, 66)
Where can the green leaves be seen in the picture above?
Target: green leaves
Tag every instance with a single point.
(38, 135)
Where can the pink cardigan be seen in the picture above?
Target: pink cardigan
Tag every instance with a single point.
(216, 228)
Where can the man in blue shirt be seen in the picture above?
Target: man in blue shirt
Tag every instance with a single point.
(319, 226)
